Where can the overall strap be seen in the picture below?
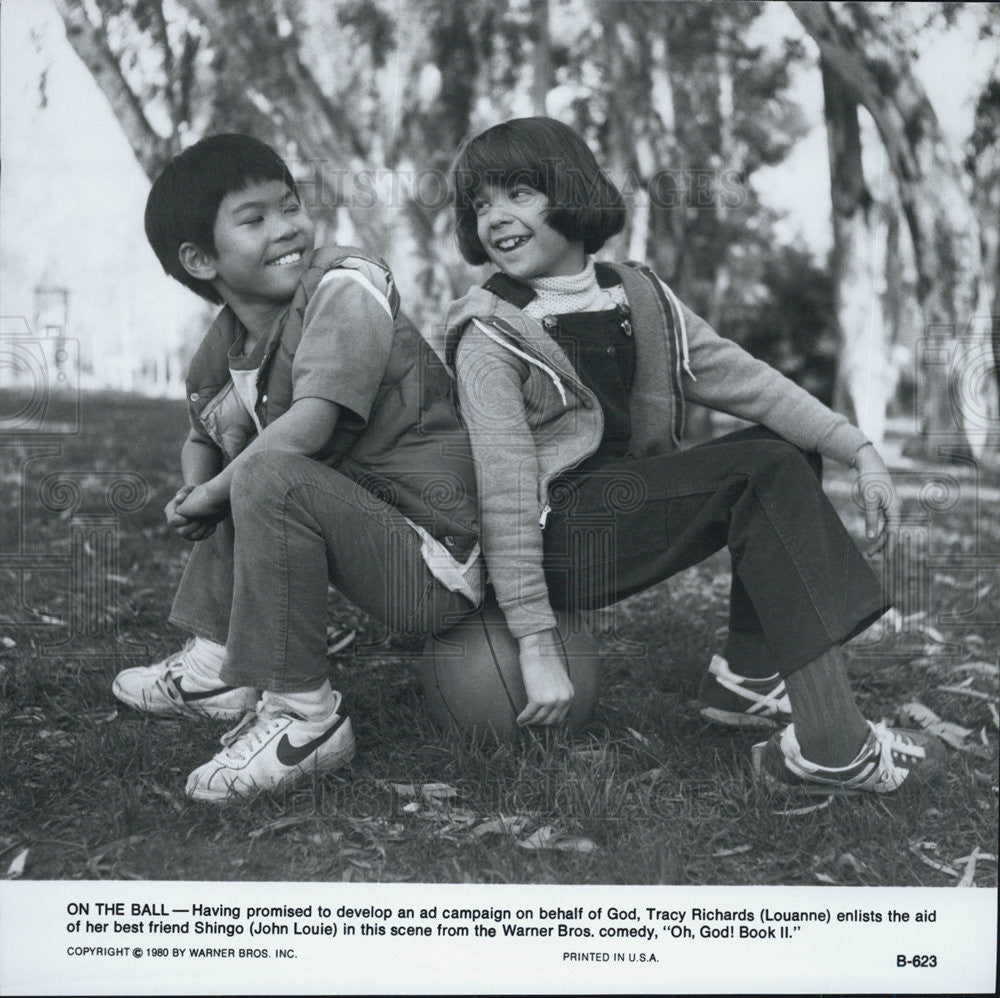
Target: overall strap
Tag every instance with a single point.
(658, 324)
(511, 290)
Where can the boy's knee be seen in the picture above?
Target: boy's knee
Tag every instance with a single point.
(264, 476)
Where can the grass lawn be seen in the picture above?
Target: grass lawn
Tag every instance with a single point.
(648, 794)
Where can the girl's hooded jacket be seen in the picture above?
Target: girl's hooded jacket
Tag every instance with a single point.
(530, 417)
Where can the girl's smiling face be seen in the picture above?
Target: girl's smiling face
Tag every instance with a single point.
(512, 227)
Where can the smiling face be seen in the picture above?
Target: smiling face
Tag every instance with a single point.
(263, 245)
(512, 227)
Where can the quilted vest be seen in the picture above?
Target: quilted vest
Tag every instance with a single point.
(412, 452)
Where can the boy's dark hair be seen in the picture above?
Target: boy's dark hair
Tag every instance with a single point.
(185, 198)
(552, 158)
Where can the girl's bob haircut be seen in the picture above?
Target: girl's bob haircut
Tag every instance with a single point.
(550, 157)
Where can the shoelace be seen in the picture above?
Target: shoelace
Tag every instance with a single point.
(172, 668)
(888, 742)
(252, 731)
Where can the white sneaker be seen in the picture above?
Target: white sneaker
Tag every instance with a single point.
(270, 748)
(172, 689)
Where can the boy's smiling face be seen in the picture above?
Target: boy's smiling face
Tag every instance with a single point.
(263, 245)
(512, 227)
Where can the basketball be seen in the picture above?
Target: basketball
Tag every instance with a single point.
(472, 676)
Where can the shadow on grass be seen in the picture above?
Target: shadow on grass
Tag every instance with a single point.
(647, 793)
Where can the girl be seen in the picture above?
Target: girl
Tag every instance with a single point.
(572, 379)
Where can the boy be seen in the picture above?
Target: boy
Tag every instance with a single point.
(315, 413)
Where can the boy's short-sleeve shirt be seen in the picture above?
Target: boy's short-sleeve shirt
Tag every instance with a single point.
(347, 336)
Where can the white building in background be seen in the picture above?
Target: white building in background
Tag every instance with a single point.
(73, 254)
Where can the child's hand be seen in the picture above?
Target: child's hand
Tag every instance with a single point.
(880, 500)
(200, 502)
(546, 681)
(190, 528)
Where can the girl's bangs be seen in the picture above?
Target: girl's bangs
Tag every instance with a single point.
(500, 159)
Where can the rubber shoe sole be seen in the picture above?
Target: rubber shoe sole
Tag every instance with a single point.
(891, 758)
(736, 701)
(733, 719)
(156, 691)
(286, 750)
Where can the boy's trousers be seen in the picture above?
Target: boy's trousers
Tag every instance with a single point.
(800, 584)
(259, 584)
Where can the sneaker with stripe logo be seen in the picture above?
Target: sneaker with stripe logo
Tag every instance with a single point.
(272, 747)
(889, 758)
(174, 688)
(742, 701)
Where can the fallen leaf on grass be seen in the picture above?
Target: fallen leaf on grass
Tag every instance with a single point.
(118, 844)
(412, 807)
(504, 825)
(166, 795)
(7, 643)
(339, 638)
(720, 853)
(969, 875)
(640, 738)
(983, 668)
(16, 868)
(402, 789)
(436, 792)
(953, 734)
(976, 643)
(966, 692)
(825, 878)
(982, 857)
(452, 817)
(916, 848)
(547, 837)
(651, 774)
(850, 860)
(279, 825)
(806, 810)
(361, 864)
(46, 618)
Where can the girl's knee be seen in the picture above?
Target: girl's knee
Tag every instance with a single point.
(771, 458)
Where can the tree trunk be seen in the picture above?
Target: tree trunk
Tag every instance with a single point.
(90, 44)
(957, 408)
(858, 267)
(542, 72)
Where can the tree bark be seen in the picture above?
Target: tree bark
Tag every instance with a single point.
(858, 267)
(955, 402)
(542, 73)
(89, 42)
(273, 70)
